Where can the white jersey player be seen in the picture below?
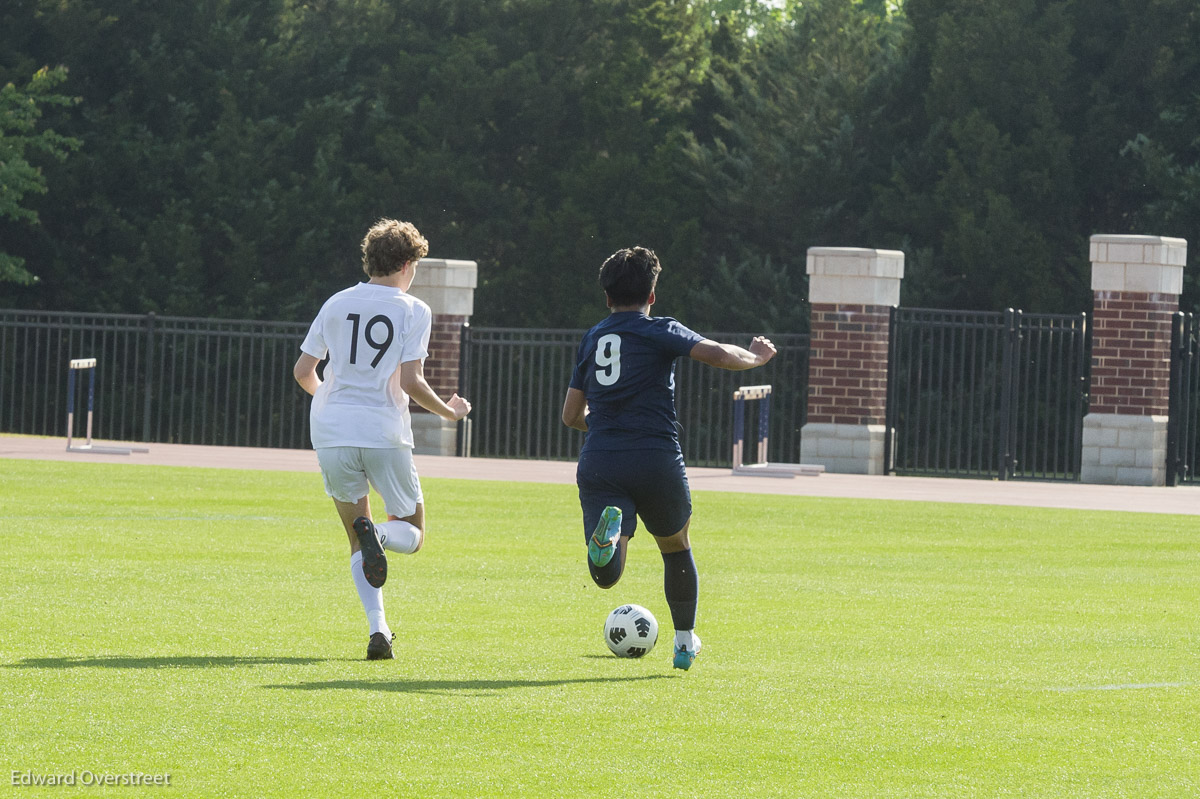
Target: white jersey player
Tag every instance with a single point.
(376, 336)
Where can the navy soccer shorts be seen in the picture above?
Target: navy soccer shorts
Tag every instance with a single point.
(650, 483)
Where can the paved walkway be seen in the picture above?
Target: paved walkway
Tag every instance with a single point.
(1183, 500)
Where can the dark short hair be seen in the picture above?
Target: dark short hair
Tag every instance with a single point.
(629, 275)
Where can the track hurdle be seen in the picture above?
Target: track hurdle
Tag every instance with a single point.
(762, 467)
(75, 365)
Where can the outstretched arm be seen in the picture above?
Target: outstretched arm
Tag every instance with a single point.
(732, 357)
(412, 380)
(574, 412)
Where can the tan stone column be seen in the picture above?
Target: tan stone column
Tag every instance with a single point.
(448, 287)
(851, 291)
(1136, 283)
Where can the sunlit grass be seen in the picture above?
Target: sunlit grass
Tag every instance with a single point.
(201, 623)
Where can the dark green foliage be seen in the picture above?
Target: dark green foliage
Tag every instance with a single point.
(20, 110)
(984, 188)
(234, 152)
(785, 164)
(1147, 111)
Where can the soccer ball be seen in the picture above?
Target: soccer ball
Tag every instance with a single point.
(630, 631)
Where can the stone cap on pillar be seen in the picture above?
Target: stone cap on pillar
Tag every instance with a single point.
(447, 286)
(854, 276)
(1150, 264)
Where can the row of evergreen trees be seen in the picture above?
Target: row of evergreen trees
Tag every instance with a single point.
(224, 157)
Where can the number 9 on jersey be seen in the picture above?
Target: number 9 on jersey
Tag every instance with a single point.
(608, 359)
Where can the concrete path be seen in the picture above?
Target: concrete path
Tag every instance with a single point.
(1181, 500)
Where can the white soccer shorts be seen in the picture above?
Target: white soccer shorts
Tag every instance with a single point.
(391, 471)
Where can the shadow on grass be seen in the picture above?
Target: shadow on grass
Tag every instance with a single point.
(454, 686)
(189, 662)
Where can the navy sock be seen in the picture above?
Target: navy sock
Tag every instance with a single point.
(608, 575)
(681, 584)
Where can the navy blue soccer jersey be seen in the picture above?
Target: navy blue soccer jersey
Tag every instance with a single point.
(626, 368)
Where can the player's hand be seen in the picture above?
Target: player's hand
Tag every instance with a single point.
(762, 347)
(460, 407)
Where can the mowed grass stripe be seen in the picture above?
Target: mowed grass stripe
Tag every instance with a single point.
(202, 623)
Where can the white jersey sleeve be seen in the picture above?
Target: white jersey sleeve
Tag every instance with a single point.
(416, 344)
(314, 342)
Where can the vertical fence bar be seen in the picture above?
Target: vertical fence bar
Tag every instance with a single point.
(149, 383)
(1177, 403)
(1191, 381)
(1004, 467)
(1192, 387)
(975, 385)
(889, 405)
(461, 442)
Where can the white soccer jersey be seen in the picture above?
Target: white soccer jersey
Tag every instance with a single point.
(367, 331)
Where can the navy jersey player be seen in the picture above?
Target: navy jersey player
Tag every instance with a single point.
(622, 393)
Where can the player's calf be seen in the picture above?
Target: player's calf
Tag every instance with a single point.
(681, 584)
(397, 535)
(374, 561)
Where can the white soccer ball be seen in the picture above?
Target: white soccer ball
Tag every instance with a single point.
(630, 631)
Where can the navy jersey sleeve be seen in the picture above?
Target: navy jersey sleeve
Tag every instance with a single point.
(582, 358)
(676, 338)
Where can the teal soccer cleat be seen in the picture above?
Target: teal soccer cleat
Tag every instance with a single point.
(603, 543)
(684, 657)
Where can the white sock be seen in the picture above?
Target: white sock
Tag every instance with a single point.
(685, 639)
(371, 598)
(399, 536)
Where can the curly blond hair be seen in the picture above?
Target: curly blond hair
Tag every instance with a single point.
(389, 245)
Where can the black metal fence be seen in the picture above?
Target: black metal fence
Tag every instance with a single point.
(987, 394)
(158, 378)
(516, 380)
(969, 394)
(1183, 426)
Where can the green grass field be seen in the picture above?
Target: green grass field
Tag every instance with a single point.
(202, 623)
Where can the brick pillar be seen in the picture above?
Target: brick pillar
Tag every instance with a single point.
(851, 291)
(1136, 283)
(441, 367)
(448, 287)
